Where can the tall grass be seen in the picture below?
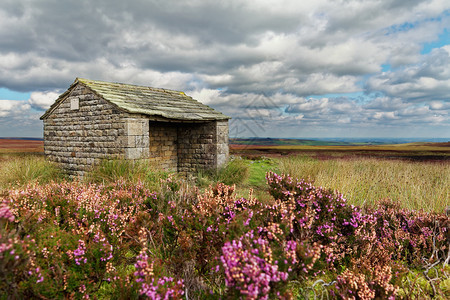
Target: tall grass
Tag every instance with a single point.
(363, 181)
(25, 169)
(236, 171)
(415, 185)
(109, 171)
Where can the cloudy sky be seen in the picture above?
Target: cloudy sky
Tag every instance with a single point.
(322, 68)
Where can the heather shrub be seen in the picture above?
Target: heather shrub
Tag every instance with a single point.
(355, 240)
(215, 216)
(84, 229)
(13, 259)
(121, 239)
(250, 269)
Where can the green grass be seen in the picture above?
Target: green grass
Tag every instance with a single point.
(236, 171)
(363, 181)
(258, 170)
(244, 173)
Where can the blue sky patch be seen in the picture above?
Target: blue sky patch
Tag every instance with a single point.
(444, 39)
(6, 94)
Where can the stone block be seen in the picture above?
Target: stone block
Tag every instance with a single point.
(221, 159)
(131, 141)
(153, 149)
(142, 141)
(136, 153)
(222, 149)
(145, 152)
(133, 127)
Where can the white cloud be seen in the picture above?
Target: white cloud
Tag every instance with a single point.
(42, 100)
(439, 105)
(425, 81)
(13, 107)
(206, 96)
(18, 120)
(308, 105)
(390, 115)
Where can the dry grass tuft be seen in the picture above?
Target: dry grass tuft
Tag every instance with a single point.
(22, 170)
(363, 181)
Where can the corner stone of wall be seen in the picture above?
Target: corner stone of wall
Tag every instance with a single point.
(136, 138)
(223, 152)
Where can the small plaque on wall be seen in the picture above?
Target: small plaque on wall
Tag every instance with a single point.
(74, 104)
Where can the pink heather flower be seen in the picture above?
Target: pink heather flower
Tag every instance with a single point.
(246, 271)
(79, 253)
(163, 288)
(5, 212)
(250, 215)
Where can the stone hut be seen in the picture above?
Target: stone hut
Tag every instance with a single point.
(95, 120)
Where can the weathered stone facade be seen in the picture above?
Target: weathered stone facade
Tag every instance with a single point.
(202, 145)
(163, 141)
(83, 128)
(187, 146)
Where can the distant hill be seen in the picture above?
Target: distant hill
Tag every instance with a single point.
(22, 138)
(295, 142)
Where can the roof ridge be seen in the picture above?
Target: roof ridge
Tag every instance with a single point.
(86, 81)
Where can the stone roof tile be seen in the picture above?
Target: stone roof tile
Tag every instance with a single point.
(150, 101)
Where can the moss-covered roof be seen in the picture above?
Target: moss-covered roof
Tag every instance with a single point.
(150, 101)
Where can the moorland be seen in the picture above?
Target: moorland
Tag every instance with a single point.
(279, 221)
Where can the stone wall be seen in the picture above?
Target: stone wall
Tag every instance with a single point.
(187, 147)
(202, 146)
(84, 129)
(163, 145)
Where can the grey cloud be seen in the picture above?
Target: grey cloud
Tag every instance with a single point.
(415, 111)
(385, 104)
(325, 106)
(288, 111)
(426, 81)
(308, 105)
(195, 37)
(282, 53)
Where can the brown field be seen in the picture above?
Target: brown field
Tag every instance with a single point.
(412, 151)
(18, 145)
(11, 148)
